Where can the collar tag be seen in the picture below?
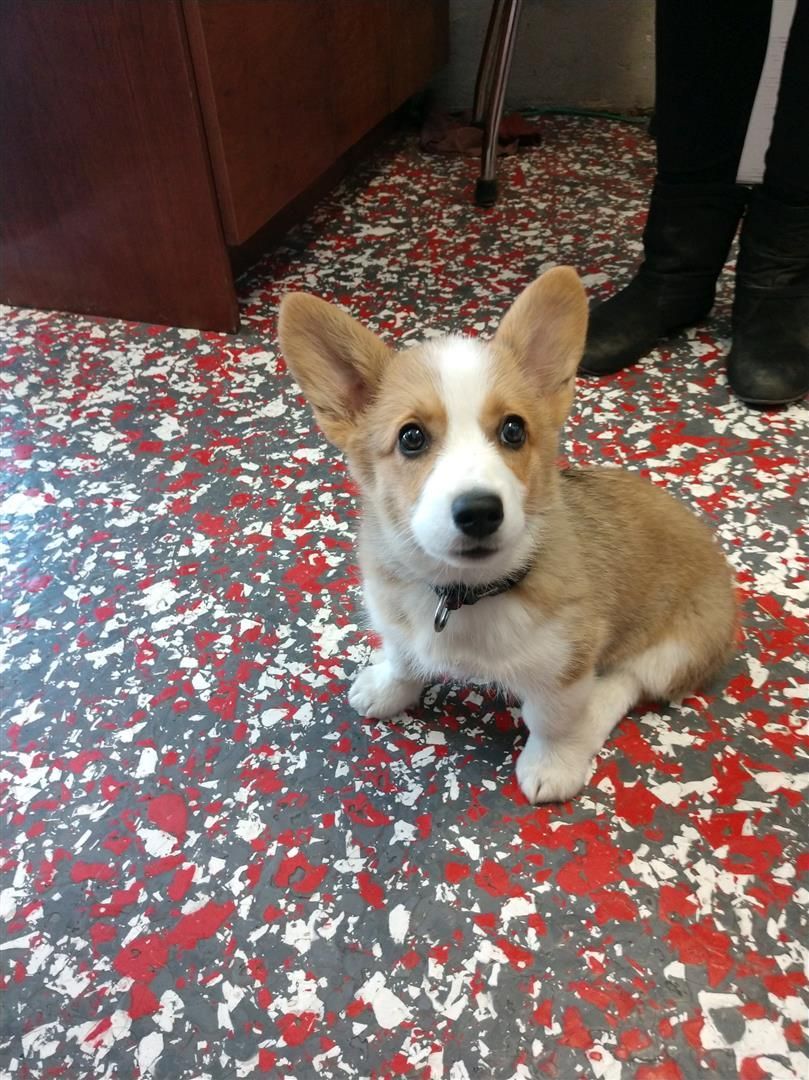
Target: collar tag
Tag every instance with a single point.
(442, 613)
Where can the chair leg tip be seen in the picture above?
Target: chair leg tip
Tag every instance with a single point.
(486, 192)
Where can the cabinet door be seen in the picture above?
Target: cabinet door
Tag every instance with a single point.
(108, 204)
(264, 77)
(287, 86)
(360, 64)
(418, 44)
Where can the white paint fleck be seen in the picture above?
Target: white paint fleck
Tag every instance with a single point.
(149, 1050)
(399, 923)
(517, 907)
(171, 1006)
(389, 1010)
(147, 763)
(674, 793)
(773, 781)
(38, 1043)
(22, 505)
(158, 597)
(157, 842)
(471, 847)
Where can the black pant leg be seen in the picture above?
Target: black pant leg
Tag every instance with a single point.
(709, 57)
(786, 174)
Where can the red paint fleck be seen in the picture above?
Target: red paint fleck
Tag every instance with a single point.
(495, 880)
(786, 984)
(296, 872)
(99, 1029)
(163, 865)
(370, 891)
(630, 1042)
(252, 873)
(143, 957)
(142, 1002)
(296, 1029)
(543, 1013)
(598, 866)
(455, 872)
(181, 883)
(38, 583)
(702, 944)
(613, 905)
(120, 899)
(361, 811)
(612, 1000)
(110, 789)
(263, 780)
(257, 969)
(200, 924)
(667, 1070)
(676, 900)
(101, 932)
(692, 1029)
(86, 871)
(266, 1059)
(169, 813)
(79, 762)
(574, 1031)
(518, 957)
(749, 1069)
(635, 804)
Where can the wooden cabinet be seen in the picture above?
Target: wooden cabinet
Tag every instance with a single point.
(144, 144)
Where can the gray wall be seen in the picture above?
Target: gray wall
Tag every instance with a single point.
(590, 53)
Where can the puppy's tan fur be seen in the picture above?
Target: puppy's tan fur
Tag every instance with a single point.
(627, 595)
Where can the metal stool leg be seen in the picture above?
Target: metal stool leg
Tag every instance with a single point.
(486, 188)
(483, 83)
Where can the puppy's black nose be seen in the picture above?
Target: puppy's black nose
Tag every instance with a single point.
(478, 513)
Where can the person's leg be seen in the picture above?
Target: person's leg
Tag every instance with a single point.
(786, 176)
(709, 58)
(768, 363)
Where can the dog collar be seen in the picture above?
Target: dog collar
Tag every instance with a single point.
(452, 597)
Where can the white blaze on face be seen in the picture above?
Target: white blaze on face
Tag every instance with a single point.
(468, 460)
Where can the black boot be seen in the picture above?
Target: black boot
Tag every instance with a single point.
(768, 363)
(688, 234)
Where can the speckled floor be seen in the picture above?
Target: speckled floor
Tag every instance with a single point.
(210, 866)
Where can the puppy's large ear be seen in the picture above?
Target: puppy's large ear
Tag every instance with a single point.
(336, 362)
(545, 329)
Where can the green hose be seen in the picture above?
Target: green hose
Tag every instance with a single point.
(599, 114)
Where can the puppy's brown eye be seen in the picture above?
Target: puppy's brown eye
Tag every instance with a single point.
(412, 440)
(512, 432)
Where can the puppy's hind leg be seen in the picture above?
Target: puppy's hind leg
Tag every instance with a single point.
(669, 670)
(614, 694)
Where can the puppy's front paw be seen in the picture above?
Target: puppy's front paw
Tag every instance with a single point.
(377, 692)
(545, 775)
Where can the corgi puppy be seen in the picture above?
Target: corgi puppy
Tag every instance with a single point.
(580, 592)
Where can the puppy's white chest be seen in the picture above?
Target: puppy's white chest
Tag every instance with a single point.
(497, 640)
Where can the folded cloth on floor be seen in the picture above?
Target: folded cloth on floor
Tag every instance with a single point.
(456, 133)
